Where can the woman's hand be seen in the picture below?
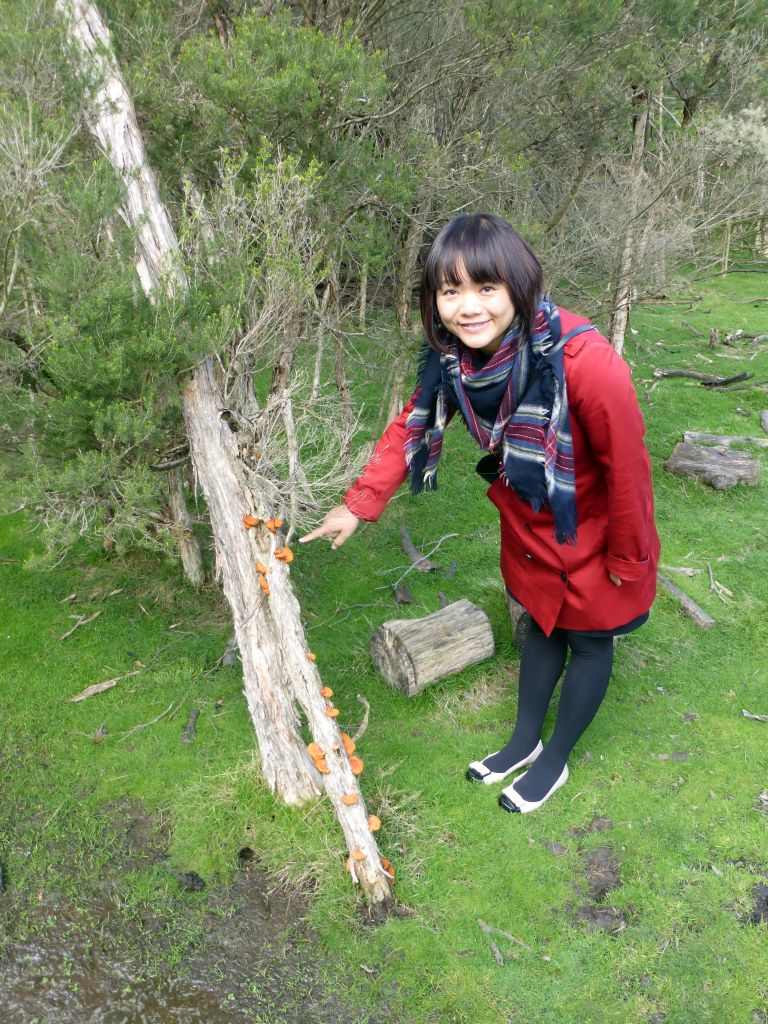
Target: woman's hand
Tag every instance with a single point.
(339, 523)
(615, 579)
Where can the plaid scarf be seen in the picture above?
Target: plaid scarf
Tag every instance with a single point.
(515, 404)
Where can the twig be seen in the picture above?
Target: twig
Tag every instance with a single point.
(89, 691)
(419, 561)
(490, 930)
(144, 725)
(722, 592)
(494, 948)
(753, 718)
(82, 622)
(361, 729)
(432, 550)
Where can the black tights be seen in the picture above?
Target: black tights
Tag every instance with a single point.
(584, 686)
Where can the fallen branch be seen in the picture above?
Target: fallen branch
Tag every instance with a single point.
(448, 536)
(190, 733)
(724, 440)
(144, 725)
(89, 691)
(745, 336)
(682, 570)
(689, 606)
(82, 622)
(419, 561)
(362, 728)
(754, 718)
(490, 931)
(722, 592)
(764, 420)
(706, 379)
(684, 323)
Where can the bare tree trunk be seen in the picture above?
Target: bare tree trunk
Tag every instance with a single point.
(363, 296)
(761, 237)
(189, 548)
(622, 293)
(320, 344)
(726, 248)
(409, 256)
(267, 621)
(581, 173)
(340, 372)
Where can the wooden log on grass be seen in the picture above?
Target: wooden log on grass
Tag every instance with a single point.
(688, 605)
(724, 440)
(411, 653)
(721, 468)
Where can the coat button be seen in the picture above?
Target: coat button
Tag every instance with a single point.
(563, 576)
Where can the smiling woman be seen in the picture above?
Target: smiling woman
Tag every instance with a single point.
(553, 406)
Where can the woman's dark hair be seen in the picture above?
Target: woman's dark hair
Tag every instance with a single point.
(488, 249)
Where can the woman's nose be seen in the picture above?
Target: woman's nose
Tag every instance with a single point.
(470, 304)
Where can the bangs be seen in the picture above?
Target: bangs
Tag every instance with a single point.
(471, 248)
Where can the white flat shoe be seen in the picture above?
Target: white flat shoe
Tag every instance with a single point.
(478, 772)
(511, 800)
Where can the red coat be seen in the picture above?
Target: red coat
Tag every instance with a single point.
(566, 585)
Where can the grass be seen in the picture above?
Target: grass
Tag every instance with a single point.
(670, 761)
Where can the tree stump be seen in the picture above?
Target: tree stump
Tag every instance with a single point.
(719, 467)
(411, 653)
(519, 620)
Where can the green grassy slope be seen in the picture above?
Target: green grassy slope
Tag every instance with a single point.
(670, 761)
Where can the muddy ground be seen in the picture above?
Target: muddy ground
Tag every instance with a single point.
(92, 962)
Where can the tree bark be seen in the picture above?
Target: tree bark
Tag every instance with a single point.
(189, 548)
(622, 293)
(268, 625)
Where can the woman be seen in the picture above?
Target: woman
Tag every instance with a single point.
(552, 404)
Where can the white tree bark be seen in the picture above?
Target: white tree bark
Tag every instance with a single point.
(622, 294)
(268, 626)
(189, 549)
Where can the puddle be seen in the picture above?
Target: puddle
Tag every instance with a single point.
(90, 964)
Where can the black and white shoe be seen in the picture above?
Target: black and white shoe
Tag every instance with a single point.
(511, 800)
(479, 772)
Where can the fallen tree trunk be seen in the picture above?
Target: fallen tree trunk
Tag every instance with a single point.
(689, 606)
(706, 379)
(412, 653)
(276, 667)
(723, 440)
(721, 468)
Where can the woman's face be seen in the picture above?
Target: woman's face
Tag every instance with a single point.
(479, 313)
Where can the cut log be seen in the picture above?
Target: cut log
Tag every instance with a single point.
(689, 606)
(519, 620)
(723, 440)
(721, 468)
(411, 653)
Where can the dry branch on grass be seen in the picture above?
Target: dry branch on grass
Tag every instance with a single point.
(82, 622)
(101, 687)
(705, 379)
(688, 605)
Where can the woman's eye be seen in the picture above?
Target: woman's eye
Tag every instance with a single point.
(488, 288)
